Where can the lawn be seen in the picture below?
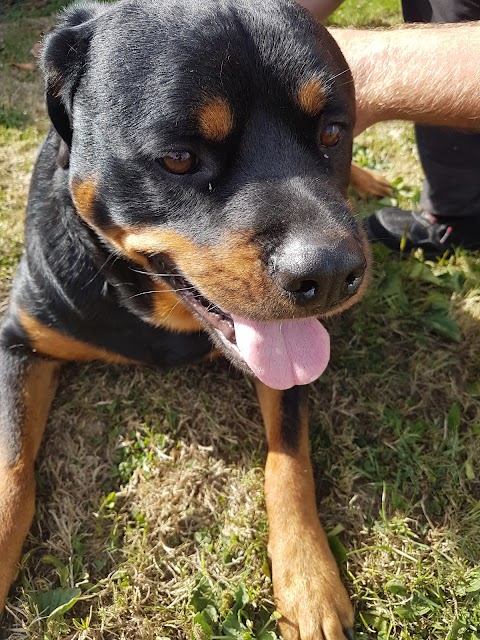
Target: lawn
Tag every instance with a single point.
(150, 520)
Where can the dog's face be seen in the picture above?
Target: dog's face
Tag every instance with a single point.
(210, 143)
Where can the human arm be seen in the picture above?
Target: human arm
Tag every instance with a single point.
(321, 9)
(428, 74)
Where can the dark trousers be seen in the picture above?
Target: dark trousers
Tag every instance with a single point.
(450, 159)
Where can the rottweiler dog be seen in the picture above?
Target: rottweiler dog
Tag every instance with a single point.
(200, 155)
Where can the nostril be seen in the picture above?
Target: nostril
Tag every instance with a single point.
(353, 281)
(308, 288)
(305, 289)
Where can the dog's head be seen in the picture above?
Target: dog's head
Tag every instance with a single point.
(210, 145)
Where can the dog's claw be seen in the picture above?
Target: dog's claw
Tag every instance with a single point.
(349, 634)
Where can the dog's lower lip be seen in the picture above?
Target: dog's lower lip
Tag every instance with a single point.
(216, 317)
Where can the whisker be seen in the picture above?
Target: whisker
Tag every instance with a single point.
(171, 310)
(338, 74)
(152, 273)
(112, 255)
(144, 293)
(344, 84)
(160, 275)
(177, 303)
(212, 306)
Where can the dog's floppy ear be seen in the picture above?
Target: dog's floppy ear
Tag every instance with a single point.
(63, 58)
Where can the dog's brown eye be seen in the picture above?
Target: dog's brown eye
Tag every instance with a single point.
(179, 162)
(330, 135)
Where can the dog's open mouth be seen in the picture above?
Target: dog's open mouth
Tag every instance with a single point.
(281, 353)
(208, 311)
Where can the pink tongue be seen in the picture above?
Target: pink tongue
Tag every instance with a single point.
(284, 353)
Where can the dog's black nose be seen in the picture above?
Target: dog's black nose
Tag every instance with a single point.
(321, 276)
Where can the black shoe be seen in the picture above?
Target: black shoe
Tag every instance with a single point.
(419, 229)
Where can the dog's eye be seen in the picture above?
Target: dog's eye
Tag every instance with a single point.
(330, 135)
(179, 162)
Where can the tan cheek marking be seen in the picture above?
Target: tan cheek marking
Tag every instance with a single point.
(170, 312)
(233, 265)
(50, 342)
(215, 119)
(230, 273)
(311, 97)
(83, 194)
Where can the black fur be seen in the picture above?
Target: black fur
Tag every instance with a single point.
(293, 414)
(14, 365)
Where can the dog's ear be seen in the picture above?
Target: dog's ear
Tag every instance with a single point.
(63, 58)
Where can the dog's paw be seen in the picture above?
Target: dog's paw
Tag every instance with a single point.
(369, 183)
(309, 594)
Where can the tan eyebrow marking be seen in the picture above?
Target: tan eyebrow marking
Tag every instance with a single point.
(216, 119)
(311, 97)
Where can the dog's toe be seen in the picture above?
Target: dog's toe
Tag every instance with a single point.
(311, 598)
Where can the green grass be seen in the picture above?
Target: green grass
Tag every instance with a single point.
(18, 11)
(365, 13)
(150, 520)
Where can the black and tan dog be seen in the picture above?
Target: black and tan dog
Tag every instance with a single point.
(201, 154)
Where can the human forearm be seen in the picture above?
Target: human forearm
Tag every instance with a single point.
(427, 74)
(321, 9)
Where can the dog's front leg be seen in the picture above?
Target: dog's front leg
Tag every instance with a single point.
(27, 387)
(307, 587)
